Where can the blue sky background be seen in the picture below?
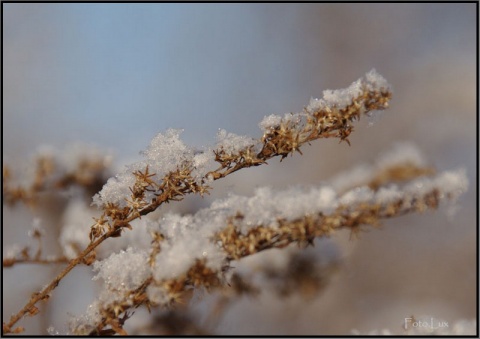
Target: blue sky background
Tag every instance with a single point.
(117, 74)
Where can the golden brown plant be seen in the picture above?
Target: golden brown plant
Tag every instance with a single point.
(150, 188)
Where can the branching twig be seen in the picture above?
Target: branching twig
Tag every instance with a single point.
(323, 118)
(237, 244)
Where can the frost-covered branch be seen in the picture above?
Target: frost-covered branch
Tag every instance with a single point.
(171, 170)
(196, 250)
(185, 252)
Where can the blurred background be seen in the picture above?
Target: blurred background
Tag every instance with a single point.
(115, 75)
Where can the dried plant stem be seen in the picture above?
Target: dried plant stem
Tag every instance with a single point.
(30, 308)
(238, 245)
(305, 230)
(279, 140)
(81, 258)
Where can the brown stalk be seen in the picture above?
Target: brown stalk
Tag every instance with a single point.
(302, 230)
(280, 140)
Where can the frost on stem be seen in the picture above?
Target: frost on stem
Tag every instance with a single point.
(330, 116)
(327, 117)
(236, 150)
(192, 251)
(171, 169)
(123, 271)
(195, 250)
(166, 154)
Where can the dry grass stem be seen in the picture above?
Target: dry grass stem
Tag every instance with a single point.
(149, 188)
